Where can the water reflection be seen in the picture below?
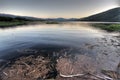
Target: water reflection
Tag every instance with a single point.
(71, 37)
(64, 34)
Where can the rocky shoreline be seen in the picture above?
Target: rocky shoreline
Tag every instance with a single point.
(29, 68)
(61, 65)
(34, 67)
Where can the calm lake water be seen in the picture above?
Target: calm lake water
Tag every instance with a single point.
(77, 35)
(66, 34)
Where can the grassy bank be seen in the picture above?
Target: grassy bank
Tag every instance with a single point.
(52, 22)
(108, 27)
(13, 23)
(4, 24)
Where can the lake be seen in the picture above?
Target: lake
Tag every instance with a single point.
(80, 37)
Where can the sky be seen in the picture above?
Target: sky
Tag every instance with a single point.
(56, 8)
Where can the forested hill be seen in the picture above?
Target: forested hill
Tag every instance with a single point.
(8, 17)
(112, 15)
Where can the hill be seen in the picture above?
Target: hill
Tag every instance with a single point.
(112, 15)
(9, 17)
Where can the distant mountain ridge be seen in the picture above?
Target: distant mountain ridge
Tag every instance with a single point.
(10, 17)
(60, 19)
(112, 15)
(34, 18)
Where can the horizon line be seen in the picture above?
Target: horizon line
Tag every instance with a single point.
(58, 17)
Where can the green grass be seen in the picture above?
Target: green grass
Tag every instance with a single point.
(13, 23)
(51, 22)
(108, 27)
(6, 24)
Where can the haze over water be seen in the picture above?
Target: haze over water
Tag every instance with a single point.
(76, 38)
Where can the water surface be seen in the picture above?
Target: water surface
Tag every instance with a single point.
(81, 37)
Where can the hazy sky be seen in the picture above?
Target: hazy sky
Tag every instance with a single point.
(56, 8)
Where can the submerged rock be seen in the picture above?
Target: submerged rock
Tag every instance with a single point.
(29, 68)
(113, 74)
(2, 62)
(79, 68)
(118, 68)
(37, 67)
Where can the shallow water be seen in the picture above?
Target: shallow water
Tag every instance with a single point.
(81, 37)
(68, 34)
